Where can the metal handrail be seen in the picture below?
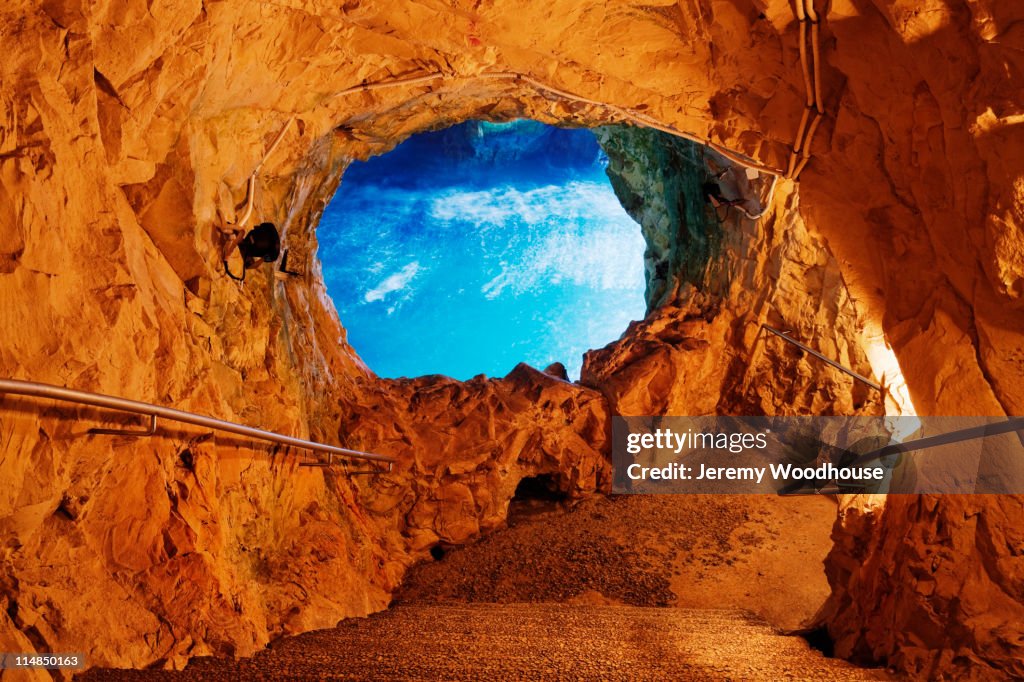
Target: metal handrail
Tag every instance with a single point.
(827, 360)
(1011, 425)
(40, 390)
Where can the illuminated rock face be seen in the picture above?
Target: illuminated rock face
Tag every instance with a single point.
(126, 127)
(713, 279)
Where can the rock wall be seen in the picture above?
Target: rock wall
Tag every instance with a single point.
(128, 131)
(926, 148)
(930, 586)
(714, 277)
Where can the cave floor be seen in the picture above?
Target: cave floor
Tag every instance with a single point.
(758, 553)
(532, 642)
(626, 587)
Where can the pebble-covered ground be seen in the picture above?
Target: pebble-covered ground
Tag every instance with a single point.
(620, 588)
(531, 642)
(625, 548)
(760, 554)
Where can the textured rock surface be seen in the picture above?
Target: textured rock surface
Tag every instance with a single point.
(126, 128)
(713, 279)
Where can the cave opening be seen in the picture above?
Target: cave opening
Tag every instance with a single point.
(542, 487)
(819, 639)
(535, 496)
(470, 249)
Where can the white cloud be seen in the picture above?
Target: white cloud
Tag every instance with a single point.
(580, 235)
(393, 283)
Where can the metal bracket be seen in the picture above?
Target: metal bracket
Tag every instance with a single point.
(129, 432)
(283, 267)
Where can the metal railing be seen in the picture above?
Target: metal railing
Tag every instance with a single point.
(827, 360)
(39, 390)
(1010, 425)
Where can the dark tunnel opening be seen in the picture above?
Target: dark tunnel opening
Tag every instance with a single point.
(542, 487)
(534, 496)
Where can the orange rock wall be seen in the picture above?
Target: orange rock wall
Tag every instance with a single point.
(702, 349)
(918, 194)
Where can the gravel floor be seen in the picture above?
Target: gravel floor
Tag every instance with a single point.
(606, 590)
(624, 548)
(529, 642)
